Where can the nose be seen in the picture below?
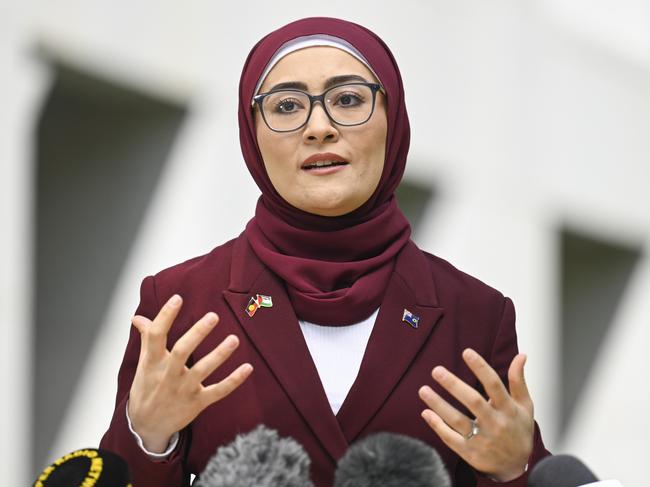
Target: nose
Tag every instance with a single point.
(319, 127)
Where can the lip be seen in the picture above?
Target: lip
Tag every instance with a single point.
(324, 156)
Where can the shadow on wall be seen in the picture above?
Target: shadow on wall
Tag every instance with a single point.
(594, 278)
(414, 198)
(100, 151)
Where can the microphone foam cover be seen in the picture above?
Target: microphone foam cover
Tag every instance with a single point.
(391, 460)
(259, 458)
(560, 471)
(88, 466)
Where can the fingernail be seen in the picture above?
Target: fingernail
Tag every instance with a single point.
(439, 373)
(175, 300)
(470, 354)
(232, 341)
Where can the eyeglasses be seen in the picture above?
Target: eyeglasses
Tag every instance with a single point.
(288, 110)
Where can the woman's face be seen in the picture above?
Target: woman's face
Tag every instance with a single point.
(327, 191)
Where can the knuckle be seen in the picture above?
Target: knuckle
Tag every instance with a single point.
(194, 390)
(458, 423)
(186, 389)
(526, 407)
(432, 419)
(217, 394)
(435, 401)
(165, 312)
(494, 383)
(435, 426)
(201, 327)
(222, 352)
(510, 409)
(475, 401)
(154, 333)
(179, 352)
(500, 426)
(230, 382)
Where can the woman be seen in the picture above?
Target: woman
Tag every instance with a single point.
(339, 319)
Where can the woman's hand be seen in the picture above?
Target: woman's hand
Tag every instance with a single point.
(166, 395)
(504, 440)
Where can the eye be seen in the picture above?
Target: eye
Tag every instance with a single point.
(348, 99)
(287, 105)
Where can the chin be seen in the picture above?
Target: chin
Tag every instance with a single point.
(331, 210)
(329, 201)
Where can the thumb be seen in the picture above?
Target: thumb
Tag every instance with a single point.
(140, 323)
(517, 382)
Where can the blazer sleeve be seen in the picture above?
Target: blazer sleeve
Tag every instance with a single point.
(503, 351)
(118, 439)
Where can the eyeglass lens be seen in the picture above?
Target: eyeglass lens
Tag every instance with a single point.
(346, 104)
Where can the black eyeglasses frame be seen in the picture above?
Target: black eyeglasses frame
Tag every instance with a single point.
(374, 87)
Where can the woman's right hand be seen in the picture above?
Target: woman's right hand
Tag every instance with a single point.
(166, 395)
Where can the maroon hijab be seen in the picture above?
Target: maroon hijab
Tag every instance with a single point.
(335, 268)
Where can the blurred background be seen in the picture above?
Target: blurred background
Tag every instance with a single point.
(529, 168)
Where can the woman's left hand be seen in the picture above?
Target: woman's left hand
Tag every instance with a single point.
(504, 440)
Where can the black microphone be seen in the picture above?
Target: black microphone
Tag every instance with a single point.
(88, 467)
(391, 460)
(259, 458)
(564, 471)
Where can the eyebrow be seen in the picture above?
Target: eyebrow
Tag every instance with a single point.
(333, 81)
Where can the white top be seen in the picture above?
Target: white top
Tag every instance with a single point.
(337, 352)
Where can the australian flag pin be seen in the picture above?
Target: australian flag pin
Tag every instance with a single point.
(410, 318)
(258, 301)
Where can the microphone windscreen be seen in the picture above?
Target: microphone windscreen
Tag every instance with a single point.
(391, 460)
(88, 466)
(259, 458)
(560, 471)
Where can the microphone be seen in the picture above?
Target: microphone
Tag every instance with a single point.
(259, 458)
(391, 460)
(565, 471)
(88, 467)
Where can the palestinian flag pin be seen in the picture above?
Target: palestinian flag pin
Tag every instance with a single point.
(258, 301)
(265, 301)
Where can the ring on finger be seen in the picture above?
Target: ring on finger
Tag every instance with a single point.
(475, 430)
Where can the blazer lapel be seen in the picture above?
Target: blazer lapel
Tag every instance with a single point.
(393, 343)
(276, 335)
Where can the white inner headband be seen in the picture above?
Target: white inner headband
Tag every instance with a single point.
(311, 41)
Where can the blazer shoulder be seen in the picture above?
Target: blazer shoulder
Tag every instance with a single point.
(214, 263)
(451, 280)
(478, 310)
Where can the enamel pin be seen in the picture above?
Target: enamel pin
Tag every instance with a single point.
(258, 301)
(265, 301)
(410, 318)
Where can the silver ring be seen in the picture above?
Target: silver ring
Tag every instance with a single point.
(474, 431)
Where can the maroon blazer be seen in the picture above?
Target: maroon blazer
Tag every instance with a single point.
(284, 391)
